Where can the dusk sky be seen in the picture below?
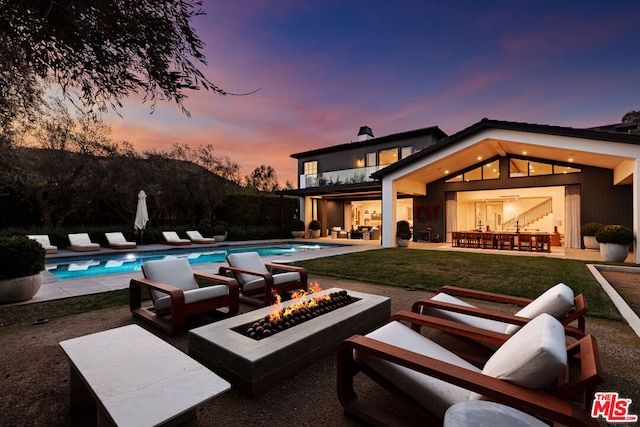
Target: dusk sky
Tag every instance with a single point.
(325, 68)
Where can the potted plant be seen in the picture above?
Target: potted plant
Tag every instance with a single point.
(21, 265)
(403, 233)
(614, 242)
(219, 232)
(588, 232)
(314, 228)
(297, 229)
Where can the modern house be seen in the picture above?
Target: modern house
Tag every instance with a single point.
(494, 174)
(335, 184)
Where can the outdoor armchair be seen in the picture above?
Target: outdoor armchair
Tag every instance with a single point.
(116, 240)
(533, 371)
(259, 281)
(176, 295)
(80, 242)
(558, 301)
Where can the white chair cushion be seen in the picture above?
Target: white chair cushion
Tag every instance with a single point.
(247, 261)
(117, 239)
(175, 272)
(556, 301)
(193, 295)
(533, 357)
(81, 239)
(433, 394)
(172, 236)
(278, 279)
(195, 235)
(43, 239)
(479, 322)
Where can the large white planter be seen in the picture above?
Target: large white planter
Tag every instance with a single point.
(590, 242)
(19, 289)
(297, 234)
(403, 243)
(614, 252)
(220, 237)
(314, 233)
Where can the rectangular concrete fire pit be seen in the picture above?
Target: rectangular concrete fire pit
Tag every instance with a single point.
(253, 366)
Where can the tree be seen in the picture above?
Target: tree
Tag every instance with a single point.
(262, 178)
(631, 117)
(105, 49)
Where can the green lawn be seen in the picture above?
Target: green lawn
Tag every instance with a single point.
(514, 275)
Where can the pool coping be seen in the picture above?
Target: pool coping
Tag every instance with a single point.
(55, 288)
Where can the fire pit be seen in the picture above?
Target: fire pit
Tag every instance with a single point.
(306, 307)
(253, 365)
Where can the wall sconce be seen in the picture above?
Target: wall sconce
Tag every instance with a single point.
(360, 163)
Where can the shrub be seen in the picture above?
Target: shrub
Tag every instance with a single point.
(297, 225)
(218, 230)
(20, 257)
(403, 230)
(590, 229)
(615, 234)
(315, 225)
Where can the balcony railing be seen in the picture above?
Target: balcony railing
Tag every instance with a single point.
(345, 176)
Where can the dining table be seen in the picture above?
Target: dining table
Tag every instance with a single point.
(532, 241)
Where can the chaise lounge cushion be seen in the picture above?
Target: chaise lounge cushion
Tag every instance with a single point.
(177, 273)
(196, 237)
(467, 319)
(82, 242)
(556, 301)
(117, 240)
(172, 237)
(43, 239)
(532, 358)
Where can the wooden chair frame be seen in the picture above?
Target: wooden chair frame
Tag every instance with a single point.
(577, 313)
(264, 297)
(179, 310)
(554, 404)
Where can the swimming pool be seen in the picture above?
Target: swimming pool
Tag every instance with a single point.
(127, 262)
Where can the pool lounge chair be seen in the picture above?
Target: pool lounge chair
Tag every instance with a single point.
(259, 281)
(172, 238)
(533, 371)
(196, 237)
(80, 242)
(117, 241)
(558, 301)
(176, 295)
(43, 239)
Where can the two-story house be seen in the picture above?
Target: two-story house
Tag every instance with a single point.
(335, 184)
(493, 175)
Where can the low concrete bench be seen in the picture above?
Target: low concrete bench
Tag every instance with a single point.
(134, 378)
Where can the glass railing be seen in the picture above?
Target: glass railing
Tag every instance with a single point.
(345, 176)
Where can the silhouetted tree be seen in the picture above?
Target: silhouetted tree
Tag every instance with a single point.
(262, 178)
(105, 49)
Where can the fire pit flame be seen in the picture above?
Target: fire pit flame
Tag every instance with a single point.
(303, 300)
(305, 307)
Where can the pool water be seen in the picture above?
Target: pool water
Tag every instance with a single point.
(127, 262)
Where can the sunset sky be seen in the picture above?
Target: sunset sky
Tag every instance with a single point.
(324, 68)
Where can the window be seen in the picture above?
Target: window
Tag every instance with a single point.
(372, 159)
(311, 168)
(388, 157)
(521, 167)
(406, 152)
(487, 171)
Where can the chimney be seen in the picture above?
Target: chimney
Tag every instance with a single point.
(365, 133)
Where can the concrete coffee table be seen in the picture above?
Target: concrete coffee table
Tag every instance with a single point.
(136, 379)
